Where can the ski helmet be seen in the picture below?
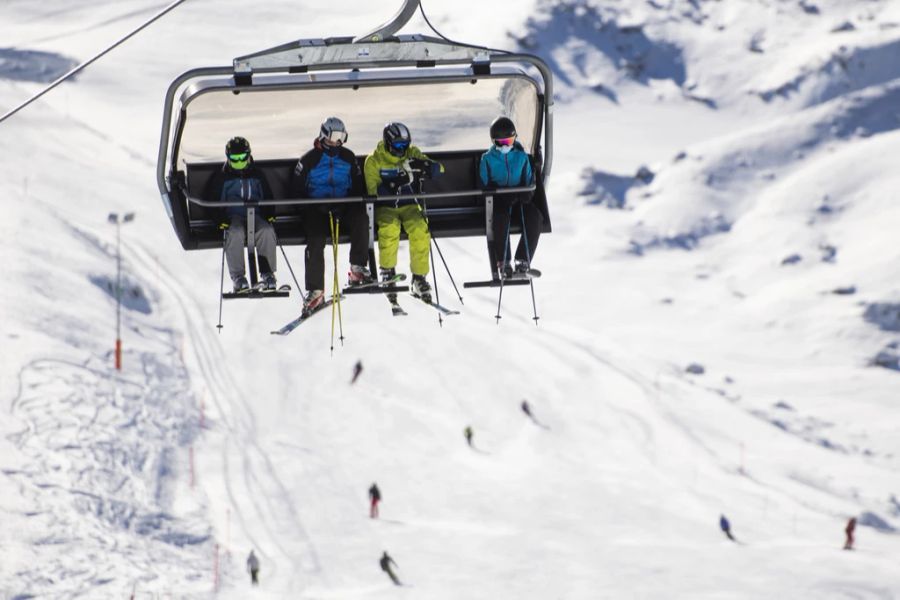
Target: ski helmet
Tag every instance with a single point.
(237, 150)
(333, 129)
(237, 145)
(397, 138)
(501, 128)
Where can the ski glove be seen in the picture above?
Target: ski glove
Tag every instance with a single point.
(270, 219)
(398, 181)
(428, 168)
(224, 225)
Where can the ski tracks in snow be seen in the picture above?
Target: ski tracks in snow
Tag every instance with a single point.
(260, 500)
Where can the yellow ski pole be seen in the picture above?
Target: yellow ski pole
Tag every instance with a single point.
(335, 288)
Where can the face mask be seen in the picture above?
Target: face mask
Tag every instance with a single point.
(505, 149)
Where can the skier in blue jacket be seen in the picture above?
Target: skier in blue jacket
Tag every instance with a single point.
(330, 170)
(506, 164)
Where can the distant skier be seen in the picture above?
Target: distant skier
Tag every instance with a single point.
(386, 562)
(527, 409)
(374, 499)
(506, 164)
(468, 433)
(253, 568)
(851, 527)
(357, 371)
(726, 527)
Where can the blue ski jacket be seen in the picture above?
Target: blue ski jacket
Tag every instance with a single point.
(323, 173)
(506, 170)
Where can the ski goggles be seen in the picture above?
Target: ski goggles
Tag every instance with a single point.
(337, 136)
(400, 145)
(242, 157)
(507, 141)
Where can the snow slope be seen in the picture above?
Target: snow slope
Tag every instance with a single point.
(771, 143)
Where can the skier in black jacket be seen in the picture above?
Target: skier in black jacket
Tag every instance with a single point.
(386, 562)
(239, 180)
(330, 170)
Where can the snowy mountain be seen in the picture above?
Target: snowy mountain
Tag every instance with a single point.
(719, 328)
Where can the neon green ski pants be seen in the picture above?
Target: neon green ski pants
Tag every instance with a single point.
(389, 221)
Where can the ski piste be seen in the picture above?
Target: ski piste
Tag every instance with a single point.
(302, 318)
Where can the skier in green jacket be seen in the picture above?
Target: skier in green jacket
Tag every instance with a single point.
(392, 169)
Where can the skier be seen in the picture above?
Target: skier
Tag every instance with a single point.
(851, 527)
(330, 170)
(386, 562)
(240, 180)
(374, 498)
(726, 527)
(391, 169)
(506, 164)
(253, 568)
(357, 371)
(468, 433)
(526, 409)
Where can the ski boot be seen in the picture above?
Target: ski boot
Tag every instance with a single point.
(420, 288)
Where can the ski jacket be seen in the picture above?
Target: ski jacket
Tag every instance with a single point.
(325, 173)
(506, 170)
(724, 524)
(253, 563)
(231, 185)
(386, 562)
(388, 174)
(374, 493)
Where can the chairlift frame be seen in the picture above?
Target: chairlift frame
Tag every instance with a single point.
(378, 58)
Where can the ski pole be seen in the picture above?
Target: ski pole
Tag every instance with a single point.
(528, 257)
(221, 285)
(291, 269)
(505, 251)
(335, 290)
(423, 208)
(437, 296)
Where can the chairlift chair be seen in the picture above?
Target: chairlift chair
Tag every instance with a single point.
(446, 92)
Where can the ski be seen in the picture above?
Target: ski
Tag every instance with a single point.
(302, 318)
(255, 293)
(437, 307)
(397, 310)
(376, 286)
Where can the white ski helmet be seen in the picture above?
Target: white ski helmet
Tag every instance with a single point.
(333, 129)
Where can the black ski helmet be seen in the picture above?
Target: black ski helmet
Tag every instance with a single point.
(237, 145)
(502, 127)
(396, 138)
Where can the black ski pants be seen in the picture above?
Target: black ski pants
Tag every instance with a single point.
(534, 221)
(353, 219)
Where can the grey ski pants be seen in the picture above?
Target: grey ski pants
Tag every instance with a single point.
(236, 236)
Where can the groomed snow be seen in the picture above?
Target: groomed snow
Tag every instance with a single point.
(771, 132)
